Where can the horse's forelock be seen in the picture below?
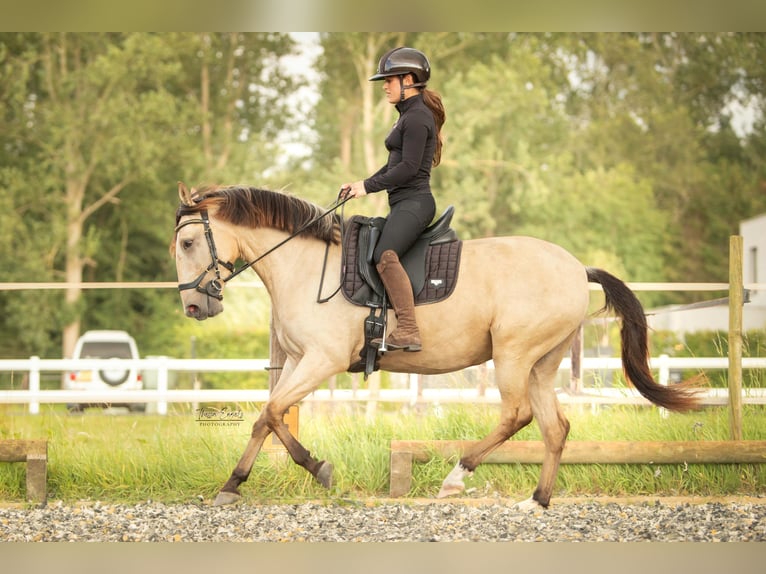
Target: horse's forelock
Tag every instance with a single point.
(203, 199)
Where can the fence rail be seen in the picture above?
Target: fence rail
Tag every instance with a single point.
(411, 394)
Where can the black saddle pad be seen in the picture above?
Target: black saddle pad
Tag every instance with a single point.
(432, 264)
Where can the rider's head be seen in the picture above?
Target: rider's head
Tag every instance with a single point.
(401, 62)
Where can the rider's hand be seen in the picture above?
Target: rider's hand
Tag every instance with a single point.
(355, 189)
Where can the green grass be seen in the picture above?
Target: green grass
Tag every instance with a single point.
(130, 458)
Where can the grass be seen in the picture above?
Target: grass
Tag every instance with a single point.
(131, 458)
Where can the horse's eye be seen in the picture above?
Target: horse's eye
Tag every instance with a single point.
(186, 243)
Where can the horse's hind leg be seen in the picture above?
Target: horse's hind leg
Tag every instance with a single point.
(515, 414)
(554, 426)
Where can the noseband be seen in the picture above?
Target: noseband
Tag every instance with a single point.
(214, 287)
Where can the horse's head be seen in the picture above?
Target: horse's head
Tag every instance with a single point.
(199, 257)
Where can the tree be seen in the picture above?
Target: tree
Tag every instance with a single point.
(235, 89)
(542, 128)
(99, 126)
(87, 110)
(662, 102)
(622, 147)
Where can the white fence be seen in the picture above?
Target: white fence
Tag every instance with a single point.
(410, 392)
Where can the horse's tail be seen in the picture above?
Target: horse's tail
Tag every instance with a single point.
(635, 348)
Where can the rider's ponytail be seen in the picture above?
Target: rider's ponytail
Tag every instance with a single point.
(434, 102)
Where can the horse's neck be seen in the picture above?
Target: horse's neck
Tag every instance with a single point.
(294, 267)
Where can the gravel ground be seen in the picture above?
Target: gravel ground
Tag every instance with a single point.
(388, 521)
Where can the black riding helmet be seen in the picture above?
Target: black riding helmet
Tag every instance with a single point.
(402, 61)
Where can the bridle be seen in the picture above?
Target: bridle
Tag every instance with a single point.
(214, 287)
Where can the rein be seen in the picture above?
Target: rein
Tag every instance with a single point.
(214, 287)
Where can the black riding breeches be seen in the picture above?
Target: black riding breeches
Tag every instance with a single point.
(404, 224)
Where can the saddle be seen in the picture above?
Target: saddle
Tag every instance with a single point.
(432, 265)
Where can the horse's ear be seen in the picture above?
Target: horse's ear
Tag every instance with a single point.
(185, 195)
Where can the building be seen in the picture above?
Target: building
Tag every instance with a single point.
(681, 319)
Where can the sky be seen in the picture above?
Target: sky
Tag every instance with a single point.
(295, 142)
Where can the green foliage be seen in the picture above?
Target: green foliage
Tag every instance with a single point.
(96, 130)
(620, 147)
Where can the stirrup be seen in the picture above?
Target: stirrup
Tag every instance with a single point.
(385, 346)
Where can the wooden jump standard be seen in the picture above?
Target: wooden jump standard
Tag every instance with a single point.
(405, 452)
(35, 454)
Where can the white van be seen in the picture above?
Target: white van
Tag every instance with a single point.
(105, 345)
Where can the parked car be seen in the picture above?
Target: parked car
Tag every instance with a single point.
(105, 345)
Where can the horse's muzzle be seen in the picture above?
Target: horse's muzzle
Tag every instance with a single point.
(194, 312)
(201, 308)
(200, 313)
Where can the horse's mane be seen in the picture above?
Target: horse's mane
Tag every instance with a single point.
(253, 207)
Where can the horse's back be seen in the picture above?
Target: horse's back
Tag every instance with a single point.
(523, 263)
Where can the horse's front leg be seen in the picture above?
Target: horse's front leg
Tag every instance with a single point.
(305, 378)
(229, 494)
(294, 384)
(267, 422)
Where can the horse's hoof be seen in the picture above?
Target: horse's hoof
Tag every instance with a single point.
(224, 498)
(528, 505)
(450, 489)
(324, 474)
(454, 484)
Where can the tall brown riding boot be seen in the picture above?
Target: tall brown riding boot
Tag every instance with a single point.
(406, 335)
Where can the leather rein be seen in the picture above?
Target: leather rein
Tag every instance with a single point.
(214, 287)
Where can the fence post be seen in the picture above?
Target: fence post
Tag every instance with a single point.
(576, 353)
(34, 383)
(162, 385)
(414, 389)
(664, 379)
(277, 359)
(277, 355)
(736, 300)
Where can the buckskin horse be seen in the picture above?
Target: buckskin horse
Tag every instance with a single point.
(517, 301)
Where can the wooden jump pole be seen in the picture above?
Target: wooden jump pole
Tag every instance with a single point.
(736, 300)
(598, 452)
(35, 454)
(406, 452)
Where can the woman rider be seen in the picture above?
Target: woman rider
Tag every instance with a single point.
(414, 145)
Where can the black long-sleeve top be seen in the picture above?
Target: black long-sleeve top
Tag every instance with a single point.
(411, 144)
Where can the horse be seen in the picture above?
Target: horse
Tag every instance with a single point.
(518, 301)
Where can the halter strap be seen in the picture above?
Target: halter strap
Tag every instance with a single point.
(214, 287)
